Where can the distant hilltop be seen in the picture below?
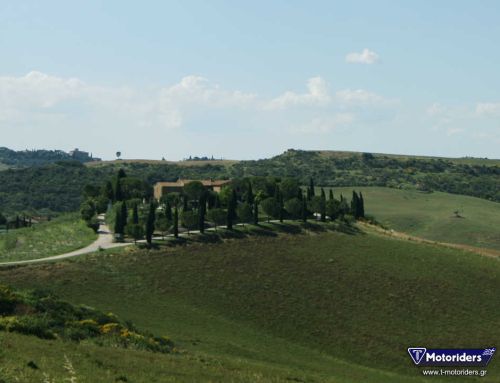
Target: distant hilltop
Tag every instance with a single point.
(17, 159)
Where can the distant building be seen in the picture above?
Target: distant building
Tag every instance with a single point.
(83, 156)
(162, 188)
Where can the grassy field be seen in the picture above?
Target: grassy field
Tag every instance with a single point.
(322, 307)
(63, 234)
(431, 215)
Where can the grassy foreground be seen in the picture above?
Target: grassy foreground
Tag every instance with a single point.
(431, 215)
(328, 307)
(63, 234)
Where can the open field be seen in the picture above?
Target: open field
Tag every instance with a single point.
(309, 308)
(431, 215)
(63, 234)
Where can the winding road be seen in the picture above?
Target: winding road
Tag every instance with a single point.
(103, 241)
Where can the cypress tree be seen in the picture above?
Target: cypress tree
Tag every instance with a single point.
(255, 212)
(361, 205)
(118, 190)
(118, 228)
(168, 211)
(304, 210)
(311, 189)
(299, 194)
(250, 196)
(135, 215)
(323, 206)
(202, 209)
(121, 173)
(124, 213)
(355, 205)
(331, 194)
(150, 223)
(231, 210)
(281, 206)
(176, 222)
(185, 203)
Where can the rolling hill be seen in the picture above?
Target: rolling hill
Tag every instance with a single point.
(432, 215)
(327, 307)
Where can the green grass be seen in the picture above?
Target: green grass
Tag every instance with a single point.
(431, 215)
(63, 234)
(323, 307)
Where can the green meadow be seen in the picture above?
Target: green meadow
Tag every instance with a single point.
(60, 235)
(432, 215)
(321, 306)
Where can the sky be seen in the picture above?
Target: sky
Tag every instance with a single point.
(248, 80)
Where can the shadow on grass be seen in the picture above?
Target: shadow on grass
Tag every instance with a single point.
(261, 231)
(287, 228)
(314, 227)
(349, 229)
(208, 237)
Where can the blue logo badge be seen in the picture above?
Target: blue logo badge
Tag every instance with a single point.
(417, 353)
(477, 357)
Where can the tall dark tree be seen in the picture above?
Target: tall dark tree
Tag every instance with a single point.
(185, 206)
(331, 194)
(304, 210)
(124, 213)
(121, 173)
(176, 222)
(202, 210)
(355, 205)
(118, 190)
(322, 211)
(361, 205)
(281, 205)
(168, 211)
(310, 191)
(119, 228)
(150, 223)
(250, 196)
(300, 195)
(231, 210)
(135, 214)
(255, 212)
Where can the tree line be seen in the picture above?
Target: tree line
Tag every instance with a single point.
(133, 212)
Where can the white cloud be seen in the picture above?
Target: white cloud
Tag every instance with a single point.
(198, 90)
(360, 96)
(60, 112)
(317, 95)
(488, 109)
(364, 57)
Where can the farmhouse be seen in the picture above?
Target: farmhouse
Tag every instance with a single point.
(162, 188)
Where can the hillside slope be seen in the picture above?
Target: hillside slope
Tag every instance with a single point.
(297, 303)
(432, 215)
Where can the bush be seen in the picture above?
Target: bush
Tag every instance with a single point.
(7, 301)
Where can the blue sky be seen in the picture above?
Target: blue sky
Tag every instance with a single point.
(250, 79)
